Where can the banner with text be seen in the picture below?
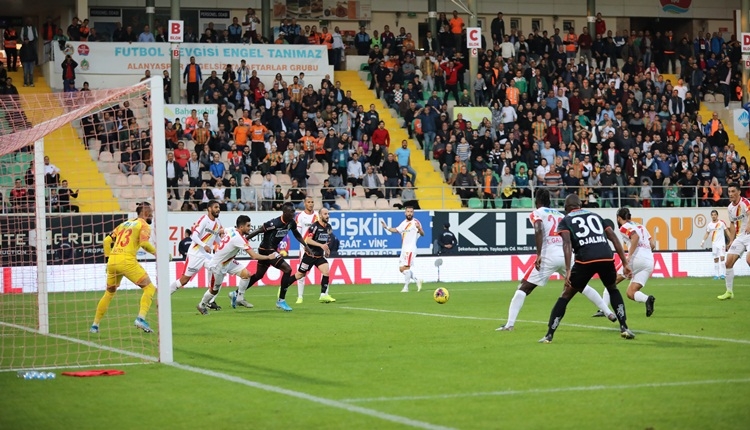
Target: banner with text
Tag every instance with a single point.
(362, 271)
(182, 111)
(71, 239)
(511, 232)
(119, 58)
(359, 233)
(323, 9)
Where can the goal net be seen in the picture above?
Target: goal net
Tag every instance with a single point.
(73, 166)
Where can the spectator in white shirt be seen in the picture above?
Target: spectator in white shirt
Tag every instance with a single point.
(248, 197)
(354, 170)
(51, 173)
(220, 194)
(268, 193)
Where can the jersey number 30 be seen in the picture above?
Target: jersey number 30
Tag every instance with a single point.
(585, 226)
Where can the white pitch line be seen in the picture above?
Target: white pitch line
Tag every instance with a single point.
(82, 342)
(467, 317)
(311, 398)
(258, 385)
(549, 390)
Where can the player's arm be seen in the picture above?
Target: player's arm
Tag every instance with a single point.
(419, 228)
(567, 253)
(147, 246)
(652, 243)
(390, 229)
(256, 232)
(197, 240)
(634, 239)
(255, 256)
(539, 237)
(108, 242)
(731, 234)
(703, 241)
(618, 248)
(301, 240)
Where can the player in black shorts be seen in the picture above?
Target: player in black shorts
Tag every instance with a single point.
(317, 238)
(588, 235)
(274, 232)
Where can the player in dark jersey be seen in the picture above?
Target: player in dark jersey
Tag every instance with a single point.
(588, 235)
(317, 238)
(274, 232)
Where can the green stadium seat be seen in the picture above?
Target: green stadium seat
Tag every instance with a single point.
(364, 67)
(475, 203)
(526, 203)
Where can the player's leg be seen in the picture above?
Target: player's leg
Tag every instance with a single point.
(300, 281)
(715, 252)
(214, 286)
(113, 281)
(642, 270)
(287, 278)
(137, 275)
(580, 275)
(608, 275)
(735, 251)
(237, 298)
(605, 294)
(722, 263)
(516, 303)
(325, 296)
(193, 264)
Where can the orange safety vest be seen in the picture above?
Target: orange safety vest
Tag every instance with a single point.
(327, 40)
(11, 41)
(571, 39)
(418, 126)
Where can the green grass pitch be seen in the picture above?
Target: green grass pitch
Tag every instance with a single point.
(381, 359)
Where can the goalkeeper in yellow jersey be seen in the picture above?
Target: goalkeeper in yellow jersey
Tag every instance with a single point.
(122, 247)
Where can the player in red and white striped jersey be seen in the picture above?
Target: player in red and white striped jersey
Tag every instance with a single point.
(717, 229)
(305, 220)
(205, 233)
(739, 234)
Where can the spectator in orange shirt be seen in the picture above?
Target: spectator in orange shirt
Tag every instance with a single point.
(170, 134)
(381, 136)
(307, 144)
(240, 133)
(457, 26)
(258, 141)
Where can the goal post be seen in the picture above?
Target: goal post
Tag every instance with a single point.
(161, 224)
(52, 268)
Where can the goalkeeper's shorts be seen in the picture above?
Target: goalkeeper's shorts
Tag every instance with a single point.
(117, 268)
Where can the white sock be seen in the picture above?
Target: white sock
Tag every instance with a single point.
(243, 286)
(208, 296)
(174, 286)
(407, 277)
(516, 303)
(640, 297)
(597, 300)
(300, 286)
(722, 268)
(717, 270)
(730, 279)
(413, 277)
(605, 297)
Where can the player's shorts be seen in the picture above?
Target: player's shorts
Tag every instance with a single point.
(581, 273)
(406, 259)
(718, 251)
(554, 263)
(233, 267)
(309, 261)
(740, 245)
(277, 263)
(641, 270)
(117, 268)
(194, 263)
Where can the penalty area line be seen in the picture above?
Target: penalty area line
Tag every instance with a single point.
(311, 398)
(549, 390)
(593, 327)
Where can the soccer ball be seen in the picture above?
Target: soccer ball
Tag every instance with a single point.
(441, 295)
(283, 253)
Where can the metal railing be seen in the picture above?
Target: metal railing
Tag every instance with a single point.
(359, 198)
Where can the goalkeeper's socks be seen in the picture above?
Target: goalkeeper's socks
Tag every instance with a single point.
(146, 300)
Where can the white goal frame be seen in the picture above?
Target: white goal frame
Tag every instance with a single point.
(160, 228)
